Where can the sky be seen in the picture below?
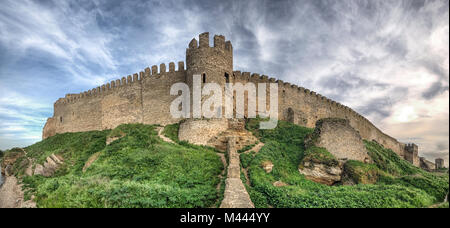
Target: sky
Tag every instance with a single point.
(386, 59)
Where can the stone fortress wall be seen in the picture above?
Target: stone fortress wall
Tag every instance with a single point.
(139, 98)
(145, 98)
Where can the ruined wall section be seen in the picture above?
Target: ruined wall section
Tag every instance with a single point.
(439, 163)
(426, 165)
(305, 107)
(201, 131)
(340, 139)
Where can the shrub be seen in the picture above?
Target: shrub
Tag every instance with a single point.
(362, 173)
(388, 161)
(246, 158)
(444, 205)
(245, 148)
(171, 131)
(319, 155)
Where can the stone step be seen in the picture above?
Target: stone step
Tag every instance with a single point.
(235, 196)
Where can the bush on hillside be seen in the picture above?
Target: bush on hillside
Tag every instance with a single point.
(362, 173)
(171, 131)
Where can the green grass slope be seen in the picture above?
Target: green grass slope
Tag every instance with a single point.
(137, 170)
(141, 170)
(398, 183)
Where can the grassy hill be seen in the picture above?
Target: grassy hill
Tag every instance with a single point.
(141, 170)
(398, 183)
(137, 170)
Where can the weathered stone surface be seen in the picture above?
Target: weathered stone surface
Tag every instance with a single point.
(235, 196)
(340, 139)
(39, 170)
(8, 170)
(91, 160)
(9, 160)
(427, 165)
(439, 163)
(234, 171)
(162, 136)
(53, 162)
(279, 184)
(201, 131)
(412, 154)
(267, 166)
(57, 158)
(321, 173)
(12, 196)
(243, 138)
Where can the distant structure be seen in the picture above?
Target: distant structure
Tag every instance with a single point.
(144, 97)
(427, 165)
(439, 163)
(412, 153)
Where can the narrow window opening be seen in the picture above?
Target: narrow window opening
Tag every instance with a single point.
(204, 78)
(227, 78)
(60, 119)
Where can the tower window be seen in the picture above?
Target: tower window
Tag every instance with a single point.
(227, 78)
(204, 78)
(60, 119)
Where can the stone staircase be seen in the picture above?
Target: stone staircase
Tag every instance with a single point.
(235, 196)
(236, 129)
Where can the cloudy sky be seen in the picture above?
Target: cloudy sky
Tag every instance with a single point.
(389, 60)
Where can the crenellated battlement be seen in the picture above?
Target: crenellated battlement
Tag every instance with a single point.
(309, 94)
(412, 153)
(219, 43)
(117, 84)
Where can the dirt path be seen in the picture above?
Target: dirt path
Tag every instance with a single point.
(247, 180)
(256, 148)
(224, 162)
(163, 137)
(439, 204)
(11, 195)
(221, 175)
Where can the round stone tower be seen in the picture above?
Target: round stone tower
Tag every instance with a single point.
(214, 64)
(211, 65)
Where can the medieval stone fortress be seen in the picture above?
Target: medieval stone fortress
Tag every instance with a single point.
(144, 97)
